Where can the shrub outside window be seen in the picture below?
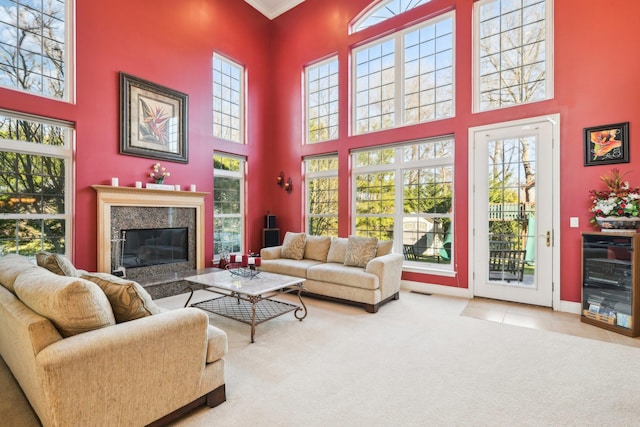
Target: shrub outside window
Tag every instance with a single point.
(35, 185)
(228, 204)
(418, 174)
(322, 195)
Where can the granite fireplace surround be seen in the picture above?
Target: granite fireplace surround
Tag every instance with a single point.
(122, 208)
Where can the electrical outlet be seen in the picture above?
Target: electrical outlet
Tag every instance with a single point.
(574, 222)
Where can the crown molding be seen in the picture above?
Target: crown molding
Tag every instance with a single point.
(273, 8)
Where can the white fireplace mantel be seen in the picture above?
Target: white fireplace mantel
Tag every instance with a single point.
(109, 196)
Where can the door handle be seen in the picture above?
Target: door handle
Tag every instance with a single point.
(548, 238)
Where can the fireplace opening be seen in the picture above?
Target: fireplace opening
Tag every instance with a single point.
(154, 246)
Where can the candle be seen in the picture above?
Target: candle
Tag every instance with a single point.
(192, 187)
(245, 260)
(177, 187)
(138, 184)
(258, 261)
(251, 260)
(114, 182)
(232, 258)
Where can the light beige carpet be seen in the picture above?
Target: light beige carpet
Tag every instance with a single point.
(416, 362)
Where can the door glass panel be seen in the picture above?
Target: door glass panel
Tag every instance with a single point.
(511, 211)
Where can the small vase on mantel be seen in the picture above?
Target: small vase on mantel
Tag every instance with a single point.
(159, 180)
(618, 223)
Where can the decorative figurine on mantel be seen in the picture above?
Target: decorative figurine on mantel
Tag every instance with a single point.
(159, 173)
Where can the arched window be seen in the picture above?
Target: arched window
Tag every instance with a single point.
(384, 10)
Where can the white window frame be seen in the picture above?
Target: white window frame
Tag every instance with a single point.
(330, 116)
(384, 10)
(225, 93)
(399, 76)
(64, 152)
(68, 58)
(240, 175)
(549, 64)
(398, 166)
(309, 176)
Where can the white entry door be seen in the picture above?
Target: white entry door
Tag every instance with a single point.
(512, 215)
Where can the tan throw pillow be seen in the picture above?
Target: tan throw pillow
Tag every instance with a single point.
(293, 245)
(384, 247)
(56, 263)
(317, 248)
(72, 304)
(337, 250)
(11, 266)
(129, 300)
(360, 250)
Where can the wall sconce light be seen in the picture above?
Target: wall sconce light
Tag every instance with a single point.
(289, 185)
(280, 179)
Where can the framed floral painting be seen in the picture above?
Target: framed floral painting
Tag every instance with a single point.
(153, 120)
(606, 144)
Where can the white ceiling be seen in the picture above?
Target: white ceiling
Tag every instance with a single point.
(273, 8)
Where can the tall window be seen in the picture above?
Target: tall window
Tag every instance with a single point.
(322, 195)
(228, 204)
(406, 78)
(322, 101)
(228, 99)
(384, 10)
(419, 175)
(35, 46)
(512, 52)
(35, 184)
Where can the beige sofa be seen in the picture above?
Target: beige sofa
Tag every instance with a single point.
(355, 270)
(93, 349)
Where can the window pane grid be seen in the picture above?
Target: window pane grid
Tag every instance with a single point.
(33, 186)
(33, 47)
(375, 87)
(422, 178)
(409, 85)
(322, 101)
(227, 99)
(228, 204)
(512, 53)
(322, 196)
(428, 76)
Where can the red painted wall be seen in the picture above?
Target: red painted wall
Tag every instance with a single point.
(596, 67)
(171, 43)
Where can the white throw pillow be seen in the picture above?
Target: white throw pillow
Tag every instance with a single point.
(337, 250)
(317, 248)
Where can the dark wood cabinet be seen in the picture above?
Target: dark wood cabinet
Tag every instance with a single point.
(610, 275)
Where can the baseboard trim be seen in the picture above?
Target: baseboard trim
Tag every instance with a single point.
(430, 288)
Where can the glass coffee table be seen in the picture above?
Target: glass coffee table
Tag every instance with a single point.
(247, 295)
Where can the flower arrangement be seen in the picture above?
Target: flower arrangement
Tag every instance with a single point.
(619, 200)
(159, 173)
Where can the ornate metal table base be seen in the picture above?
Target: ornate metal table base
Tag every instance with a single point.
(250, 309)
